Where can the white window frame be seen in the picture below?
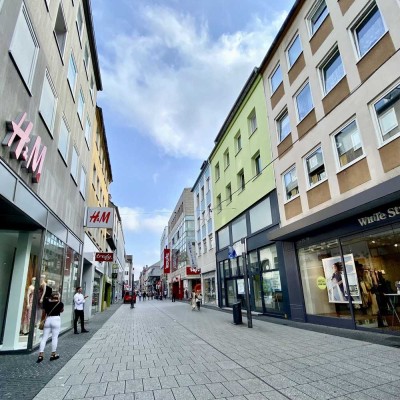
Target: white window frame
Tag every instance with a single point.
(297, 35)
(335, 148)
(252, 122)
(81, 102)
(241, 181)
(334, 52)
(80, 30)
(219, 203)
(86, 62)
(72, 85)
(227, 160)
(88, 131)
(48, 116)
(289, 170)
(278, 67)
(91, 88)
(74, 164)
(364, 15)
(310, 154)
(296, 103)
(311, 15)
(61, 50)
(17, 49)
(278, 120)
(82, 182)
(228, 191)
(64, 154)
(238, 142)
(217, 170)
(257, 164)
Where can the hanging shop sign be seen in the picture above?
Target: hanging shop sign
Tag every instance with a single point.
(190, 270)
(99, 217)
(29, 151)
(167, 261)
(107, 257)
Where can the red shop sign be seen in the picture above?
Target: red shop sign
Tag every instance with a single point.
(104, 257)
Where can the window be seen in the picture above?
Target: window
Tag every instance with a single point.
(217, 172)
(48, 102)
(79, 23)
(252, 122)
(81, 105)
(86, 57)
(88, 131)
(24, 47)
(315, 167)
(276, 78)
(369, 30)
(60, 30)
(205, 245)
(72, 73)
(91, 89)
(82, 186)
(202, 193)
(94, 177)
(199, 248)
(241, 181)
(209, 210)
(239, 228)
(317, 16)
(257, 164)
(238, 142)
(283, 125)
(304, 102)
(63, 140)
(207, 184)
(290, 183)
(226, 159)
(219, 203)
(223, 237)
(332, 71)
(211, 240)
(203, 217)
(260, 215)
(74, 165)
(294, 51)
(387, 111)
(228, 193)
(348, 144)
(197, 200)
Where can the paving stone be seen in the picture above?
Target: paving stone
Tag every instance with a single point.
(201, 392)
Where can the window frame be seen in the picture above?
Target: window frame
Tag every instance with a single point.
(238, 142)
(49, 124)
(302, 87)
(217, 170)
(278, 121)
(75, 176)
(82, 184)
(321, 68)
(289, 170)
(81, 97)
(252, 117)
(227, 160)
(72, 89)
(61, 51)
(308, 156)
(63, 119)
(277, 67)
(88, 135)
(241, 181)
(295, 37)
(313, 11)
(257, 164)
(219, 203)
(228, 192)
(80, 31)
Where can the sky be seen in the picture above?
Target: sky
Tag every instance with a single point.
(171, 71)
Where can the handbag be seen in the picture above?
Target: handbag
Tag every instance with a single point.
(43, 321)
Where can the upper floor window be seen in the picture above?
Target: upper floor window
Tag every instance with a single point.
(226, 159)
(238, 142)
(304, 102)
(252, 120)
(207, 184)
(315, 167)
(72, 73)
(48, 102)
(86, 56)
(257, 164)
(82, 186)
(368, 30)
(317, 16)
(60, 30)
(276, 78)
(241, 180)
(294, 50)
(228, 193)
(348, 144)
(81, 105)
(219, 203)
(74, 164)
(88, 131)
(290, 183)
(79, 22)
(205, 245)
(217, 172)
(202, 193)
(91, 88)
(283, 125)
(332, 71)
(197, 200)
(63, 140)
(24, 47)
(203, 217)
(387, 112)
(211, 240)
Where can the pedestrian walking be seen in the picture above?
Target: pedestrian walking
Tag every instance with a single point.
(173, 297)
(140, 296)
(165, 293)
(133, 299)
(53, 307)
(79, 302)
(193, 300)
(198, 300)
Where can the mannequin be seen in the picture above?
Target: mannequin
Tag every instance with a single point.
(26, 316)
(44, 291)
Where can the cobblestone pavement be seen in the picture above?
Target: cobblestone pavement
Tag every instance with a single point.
(162, 350)
(20, 376)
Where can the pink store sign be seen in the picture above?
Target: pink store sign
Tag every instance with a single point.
(25, 147)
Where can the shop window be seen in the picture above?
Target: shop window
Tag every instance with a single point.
(48, 102)
(368, 30)
(60, 30)
(387, 113)
(72, 74)
(348, 145)
(304, 102)
(63, 140)
(315, 167)
(241, 181)
(260, 215)
(239, 228)
(317, 16)
(276, 78)
(252, 122)
(332, 71)
(24, 47)
(294, 50)
(290, 184)
(271, 279)
(283, 125)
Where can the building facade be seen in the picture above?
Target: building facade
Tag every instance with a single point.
(204, 228)
(50, 76)
(332, 86)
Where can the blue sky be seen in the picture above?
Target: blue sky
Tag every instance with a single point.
(171, 71)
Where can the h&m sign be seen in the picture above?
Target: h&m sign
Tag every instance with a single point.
(30, 152)
(379, 216)
(99, 217)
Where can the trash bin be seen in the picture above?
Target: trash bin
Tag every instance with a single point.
(237, 313)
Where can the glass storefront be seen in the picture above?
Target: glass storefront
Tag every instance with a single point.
(96, 293)
(209, 289)
(356, 277)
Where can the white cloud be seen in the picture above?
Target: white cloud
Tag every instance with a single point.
(137, 220)
(175, 84)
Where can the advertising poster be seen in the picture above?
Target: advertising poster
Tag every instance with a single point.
(335, 280)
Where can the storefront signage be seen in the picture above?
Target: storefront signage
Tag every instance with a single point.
(167, 261)
(379, 216)
(107, 257)
(321, 282)
(99, 217)
(23, 148)
(192, 270)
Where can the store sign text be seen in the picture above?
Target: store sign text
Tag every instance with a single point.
(379, 216)
(100, 217)
(30, 152)
(104, 257)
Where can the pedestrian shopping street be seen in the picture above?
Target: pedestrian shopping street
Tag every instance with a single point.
(163, 350)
